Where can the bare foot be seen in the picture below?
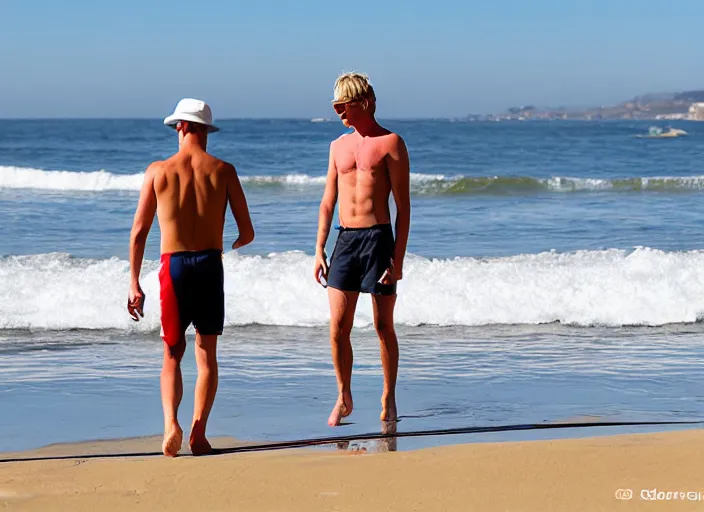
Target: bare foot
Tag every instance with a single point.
(197, 441)
(388, 408)
(173, 437)
(343, 407)
(200, 447)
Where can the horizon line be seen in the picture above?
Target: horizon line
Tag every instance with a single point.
(217, 120)
(324, 120)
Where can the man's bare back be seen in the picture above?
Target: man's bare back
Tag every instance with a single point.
(192, 190)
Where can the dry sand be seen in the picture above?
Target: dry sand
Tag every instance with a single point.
(560, 475)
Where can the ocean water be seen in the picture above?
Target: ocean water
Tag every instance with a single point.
(554, 272)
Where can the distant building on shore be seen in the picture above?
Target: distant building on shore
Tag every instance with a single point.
(696, 112)
(672, 117)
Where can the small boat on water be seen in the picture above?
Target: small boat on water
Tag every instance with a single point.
(655, 132)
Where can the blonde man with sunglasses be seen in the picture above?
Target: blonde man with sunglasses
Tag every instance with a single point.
(365, 167)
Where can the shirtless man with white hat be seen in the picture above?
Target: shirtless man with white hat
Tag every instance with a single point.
(189, 192)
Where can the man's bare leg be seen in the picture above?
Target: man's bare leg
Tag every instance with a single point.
(342, 307)
(171, 394)
(388, 444)
(383, 306)
(206, 388)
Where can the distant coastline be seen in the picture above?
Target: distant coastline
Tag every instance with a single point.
(688, 105)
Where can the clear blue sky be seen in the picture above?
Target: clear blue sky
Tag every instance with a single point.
(259, 58)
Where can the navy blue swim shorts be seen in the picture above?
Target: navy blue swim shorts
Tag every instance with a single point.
(192, 291)
(360, 258)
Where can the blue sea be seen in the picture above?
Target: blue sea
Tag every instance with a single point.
(554, 273)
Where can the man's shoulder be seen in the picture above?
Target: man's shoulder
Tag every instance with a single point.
(156, 166)
(394, 143)
(223, 166)
(393, 137)
(341, 139)
(222, 169)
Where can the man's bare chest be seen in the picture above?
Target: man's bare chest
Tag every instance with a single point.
(363, 156)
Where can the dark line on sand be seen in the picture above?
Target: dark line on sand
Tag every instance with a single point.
(301, 443)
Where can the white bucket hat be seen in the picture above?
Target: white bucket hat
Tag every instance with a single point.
(196, 111)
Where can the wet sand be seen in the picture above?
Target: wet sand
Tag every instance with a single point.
(569, 474)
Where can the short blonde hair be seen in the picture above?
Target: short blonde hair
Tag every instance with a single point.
(351, 87)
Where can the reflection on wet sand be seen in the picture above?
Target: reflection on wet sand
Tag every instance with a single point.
(385, 444)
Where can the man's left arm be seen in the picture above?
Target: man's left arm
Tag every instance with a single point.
(143, 219)
(400, 176)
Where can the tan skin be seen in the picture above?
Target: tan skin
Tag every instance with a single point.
(189, 192)
(364, 168)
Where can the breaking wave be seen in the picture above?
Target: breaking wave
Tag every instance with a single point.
(610, 287)
(428, 184)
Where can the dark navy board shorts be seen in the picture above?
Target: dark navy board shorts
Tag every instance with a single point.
(360, 257)
(191, 285)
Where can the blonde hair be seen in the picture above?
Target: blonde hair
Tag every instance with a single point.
(353, 86)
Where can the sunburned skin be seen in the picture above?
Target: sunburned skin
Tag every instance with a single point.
(365, 168)
(363, 182)
(189, 192)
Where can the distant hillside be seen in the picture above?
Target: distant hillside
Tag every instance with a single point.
(650, 98)
(673, 105)
(690, 96)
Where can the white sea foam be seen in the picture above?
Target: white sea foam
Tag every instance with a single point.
(28, 178)
(22, 177)
(610, 287)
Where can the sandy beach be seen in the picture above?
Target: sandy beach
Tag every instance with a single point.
(573, 474)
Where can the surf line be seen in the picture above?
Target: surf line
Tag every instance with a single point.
(302, 443)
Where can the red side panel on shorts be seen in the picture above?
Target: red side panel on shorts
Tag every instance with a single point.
(171, 331)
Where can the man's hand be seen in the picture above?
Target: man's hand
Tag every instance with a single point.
(240, 210)
(143, 219)
(135, 302)
(392, 274)
(321, 268)
(400, 176)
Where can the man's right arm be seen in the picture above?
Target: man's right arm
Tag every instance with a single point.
(240, 210)
(142, 223)
(327, 208)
